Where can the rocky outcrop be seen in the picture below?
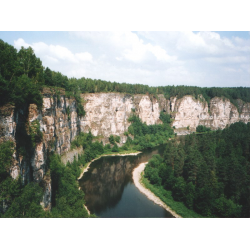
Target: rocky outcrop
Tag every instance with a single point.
(58, 123)
(106, 114)
(188, 113)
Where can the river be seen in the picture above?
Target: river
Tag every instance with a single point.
(110, 191)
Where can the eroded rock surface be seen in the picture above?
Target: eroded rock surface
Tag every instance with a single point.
(106, 114)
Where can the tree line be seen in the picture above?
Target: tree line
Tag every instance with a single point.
(22, 77)
(87, 85)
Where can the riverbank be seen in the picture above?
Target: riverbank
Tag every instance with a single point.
(86, 167)
(137, 181)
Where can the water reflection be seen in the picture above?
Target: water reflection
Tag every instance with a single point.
(110, 191)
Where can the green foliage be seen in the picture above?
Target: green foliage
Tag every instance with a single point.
(27, 205)
(117, 139)
(6, 152)
(112, 139)
(35, 133)
(115, 148)
(9, 188)
(107, 147)
(164, 117)
(147, 136)
(68, 112)
(166, 197)
(22, 202)
(153, 176)
(208, 172)
(67, 199)
(87, 85)
(202, 129)
(21, 76)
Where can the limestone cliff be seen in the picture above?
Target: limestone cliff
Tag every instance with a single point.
(189, 113)
(59, 125)
(106, 114)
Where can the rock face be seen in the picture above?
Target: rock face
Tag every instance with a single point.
(106, 114)
(59, 125)
(189, 113)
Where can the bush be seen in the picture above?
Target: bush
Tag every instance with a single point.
(202, 129)
(117, 139)
(35, 133)
(112, 139)
(115, 148)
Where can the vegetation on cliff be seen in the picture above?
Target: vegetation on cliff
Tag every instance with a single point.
(22, 78)
(148, 136)
(202, 129)
(16, 199)
(209, 173)
(87, 85)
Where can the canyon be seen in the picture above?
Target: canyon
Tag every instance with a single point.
(106, 114)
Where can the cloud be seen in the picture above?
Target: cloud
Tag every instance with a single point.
(20, 43)
(228, 60)
(54, 54)
(153, 58)
(60, 58)
(86, 56)
(126, 46)
(201, 44)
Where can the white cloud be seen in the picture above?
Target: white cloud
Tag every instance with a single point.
(20, 43)
(126, 46)
(86, 56)
(54, 53)
(60, 58)
(153, 58)
(229, 59)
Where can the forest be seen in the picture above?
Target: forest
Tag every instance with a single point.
(209, 172)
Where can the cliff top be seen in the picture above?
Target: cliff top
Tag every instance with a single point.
(6, 110)
(51, 91)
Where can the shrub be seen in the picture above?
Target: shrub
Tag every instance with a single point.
(112, 139)
(35, 133)
(115, 148)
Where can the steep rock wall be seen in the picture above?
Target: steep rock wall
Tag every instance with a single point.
(189, 112)
(59, 125)
(107, 113)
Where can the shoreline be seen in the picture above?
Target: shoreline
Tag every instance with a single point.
(87, 167)
(151, 196)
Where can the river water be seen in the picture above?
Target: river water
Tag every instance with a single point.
(110, 191)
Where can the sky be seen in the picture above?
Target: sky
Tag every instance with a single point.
(205, 59)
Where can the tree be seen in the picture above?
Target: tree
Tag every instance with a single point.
(179, 189)
(115, 148)
(112, 139)
(30, 65)
(48, 77)
(189, 195)
(117, 139)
